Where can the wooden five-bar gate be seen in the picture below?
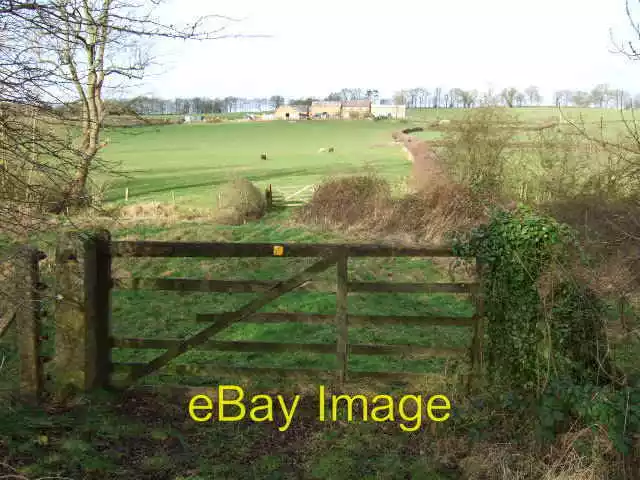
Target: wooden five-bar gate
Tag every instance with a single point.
(83, 294)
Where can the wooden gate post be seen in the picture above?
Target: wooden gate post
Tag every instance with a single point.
(83, 277)
(27, 318)
(342, 318)
(478, 330)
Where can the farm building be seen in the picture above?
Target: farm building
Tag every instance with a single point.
(326, 109)
(389, 111)
(291, 112)
(193, 118)
(356, 108)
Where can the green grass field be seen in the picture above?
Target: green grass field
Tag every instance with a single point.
(191, 160)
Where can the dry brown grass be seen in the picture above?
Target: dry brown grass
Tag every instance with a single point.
(363, 204)
(577, 455)
(142, 211)
(355, 202)
(609, 229)
(430, 214)
(239, 201)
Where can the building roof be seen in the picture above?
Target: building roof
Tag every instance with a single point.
(327, 103)
(388, 105)
(357, 103)
(298, 108)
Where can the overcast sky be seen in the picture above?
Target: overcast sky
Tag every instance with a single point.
(316, 47)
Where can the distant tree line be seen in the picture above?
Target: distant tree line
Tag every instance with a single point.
(147, 105)
(601, 96)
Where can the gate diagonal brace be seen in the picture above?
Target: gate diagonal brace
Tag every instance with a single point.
(249, 309)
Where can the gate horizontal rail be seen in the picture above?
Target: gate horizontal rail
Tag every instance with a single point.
(278, 347)
(354, 320)
(235, 250)
(258, 286)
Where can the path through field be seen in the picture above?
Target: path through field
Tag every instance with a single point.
(426, 168)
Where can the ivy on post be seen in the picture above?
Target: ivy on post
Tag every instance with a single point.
(82, 360)
(27, 281)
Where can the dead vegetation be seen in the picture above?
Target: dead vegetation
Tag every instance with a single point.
(357, 202)
(364, 205)
(239, 201)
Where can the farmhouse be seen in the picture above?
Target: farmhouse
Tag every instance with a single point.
(356, 108)
(347, 109)
(326, 109)
(291, 112)
(389, 111)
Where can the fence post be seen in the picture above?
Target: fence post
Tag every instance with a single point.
(478, 329)
(342, 318)
(27, 318)
(82, 358)
(98, 304)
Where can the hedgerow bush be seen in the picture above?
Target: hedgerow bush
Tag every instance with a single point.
(546, 344)
(541, 322)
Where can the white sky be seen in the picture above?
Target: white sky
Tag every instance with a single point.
(316, 47)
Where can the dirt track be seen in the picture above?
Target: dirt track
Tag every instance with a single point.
(426, 169)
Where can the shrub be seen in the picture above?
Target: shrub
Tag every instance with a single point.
(348, 201)
(542, 323)
(238, 202)
(432, 214)
(474, 154)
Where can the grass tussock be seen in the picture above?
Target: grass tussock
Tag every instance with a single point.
(239, 201)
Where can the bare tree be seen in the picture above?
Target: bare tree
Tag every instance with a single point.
(83, 47)
(600, 95)
(437, 94)
(468, 97)
(277, 100)
(454, 97)
(581, 99)
(490, 98)
(629, 48)
(562, 97)
(533, 94)
(509, 95)
(401, 97)
(372, 94)
(412, 96)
